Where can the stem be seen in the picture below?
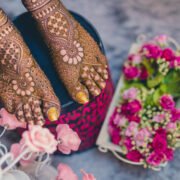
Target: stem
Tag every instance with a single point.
(15, 161)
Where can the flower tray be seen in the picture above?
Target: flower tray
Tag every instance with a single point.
(87, 119)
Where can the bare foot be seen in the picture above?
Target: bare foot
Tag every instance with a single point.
(24, 88)
(77, 58)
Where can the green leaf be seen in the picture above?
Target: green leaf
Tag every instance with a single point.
(154, 81)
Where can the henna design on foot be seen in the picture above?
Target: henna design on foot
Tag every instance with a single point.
(24, 88)
(79, 62)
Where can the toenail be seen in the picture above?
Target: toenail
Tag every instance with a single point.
(82, 98)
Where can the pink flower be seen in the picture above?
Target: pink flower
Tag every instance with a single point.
(128, 143)
(159, 118)
(16, 151)
(69, 139)
(143, 73)
(167, 102)
(171, 126)
(130, 108)
(130, 93)
(142, 136)
(151, 51)
(130, 72)
(134, 156)
(65, 173)
(168, 54)
(120, 120)
(159, 143)
(176, 62)
(39, 139)
(9, 120)
(134, 118)
(135, 58)
(169, 154)
(155, 159)
(161, 132)
(87, 176)
(115, 135)
(175, 115)
(162, 40)
(132, 129)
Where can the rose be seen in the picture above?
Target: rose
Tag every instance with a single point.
(142, 137)
(151, 51)
(143, 73)
(167, 102)
(128, 143)
(9, 120)
(87, 176)
(132, 129)
(135, 58)
(134, 156)
(162, 40)
(168, 54)
(176, 63)
(39, 139)
(119, 120)
(169, 154)
(159, 143)
(65, 173)
(130, 72)
(159, 118)
(175, 115)
(115, 135)
(69, 139)
(161, 132)
(130, 93)
(134, 118)
(155, 159)
(130, 108)
(171, 126)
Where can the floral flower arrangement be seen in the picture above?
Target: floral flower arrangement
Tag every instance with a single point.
(146, 122)
(34, 148)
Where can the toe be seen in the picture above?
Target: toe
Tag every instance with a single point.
(20, 115)
(28, 114)
(97, 78)
(51, 110)
(38, 116)
(102, 71)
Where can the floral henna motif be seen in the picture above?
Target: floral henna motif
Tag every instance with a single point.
(24, 89)
(78, 59)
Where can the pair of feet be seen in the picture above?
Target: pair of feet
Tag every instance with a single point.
(24, 88)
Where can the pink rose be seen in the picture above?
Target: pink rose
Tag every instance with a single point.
(69, 139)
(159, 118)
(134, 118)
(132, 129)
(130, 72)
(171, 126)
(161, 132)
(87, 176)
(159, 143)
(155, 159)
(39, 139)
(134, 156)
(130, 108)
(65, 173)
(143, 73)
(130, 93)
(115, 135)
(162, 40)
(175, 115)
(135, 58)
(128, 143)
(169, 154)
(142, 136)
(16, 151)
(120, 120)
(167, 102)
(168, 54)
(9, 120)
(176, 63)
(151, 51)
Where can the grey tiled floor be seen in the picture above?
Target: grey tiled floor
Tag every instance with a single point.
(118, 22)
